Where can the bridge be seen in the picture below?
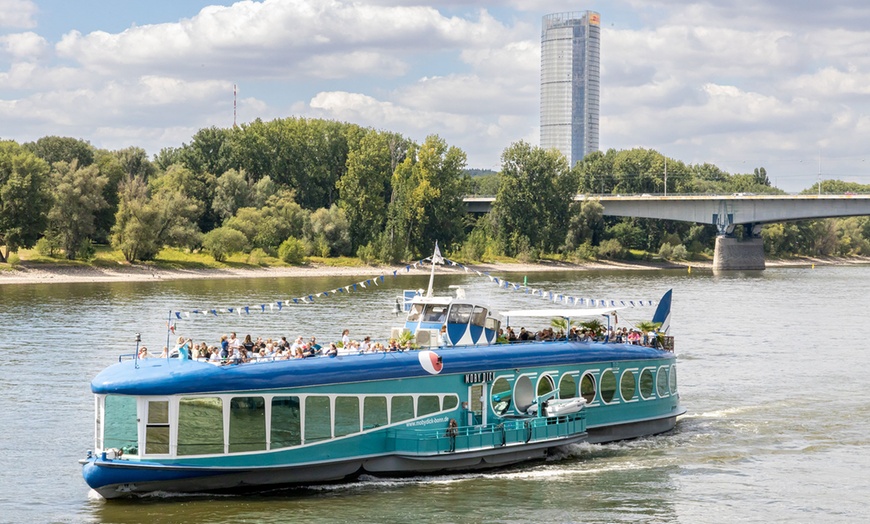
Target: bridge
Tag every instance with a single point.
(725, 212)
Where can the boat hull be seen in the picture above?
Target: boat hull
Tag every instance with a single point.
(118, 480)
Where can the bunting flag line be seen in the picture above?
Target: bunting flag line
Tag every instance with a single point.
(502, 283)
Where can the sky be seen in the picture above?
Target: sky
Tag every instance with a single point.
(779, 84)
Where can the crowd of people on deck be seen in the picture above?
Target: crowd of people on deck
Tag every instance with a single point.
(579, 334)
(232, 350)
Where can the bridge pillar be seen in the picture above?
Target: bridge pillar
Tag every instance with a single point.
(738, 254)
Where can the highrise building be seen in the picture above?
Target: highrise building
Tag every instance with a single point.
(570, 83)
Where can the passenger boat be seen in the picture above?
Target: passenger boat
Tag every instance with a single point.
(460, 401)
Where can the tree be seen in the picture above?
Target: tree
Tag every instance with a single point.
(77, 196)
(585, 224)
(135, 163)
(292, 251)
(62, 149)
(134, 230)
(329, 228)
(24, 197)
(223, 241)
(110, 167)
(426, 204)
(197, 187)
(145, 223)
(533, 198)
(231, 193)
(364, 191)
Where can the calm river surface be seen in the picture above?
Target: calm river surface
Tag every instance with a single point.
(773, 372)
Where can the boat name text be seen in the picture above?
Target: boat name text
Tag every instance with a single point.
(474, 378)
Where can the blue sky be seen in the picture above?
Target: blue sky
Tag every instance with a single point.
(738, 83)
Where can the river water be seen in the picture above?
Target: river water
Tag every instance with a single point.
(773, 369)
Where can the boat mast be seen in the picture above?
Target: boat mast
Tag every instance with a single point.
(436, 258)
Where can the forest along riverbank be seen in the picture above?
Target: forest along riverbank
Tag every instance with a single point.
(44, 273)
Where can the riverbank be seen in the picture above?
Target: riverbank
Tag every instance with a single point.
(42, 273)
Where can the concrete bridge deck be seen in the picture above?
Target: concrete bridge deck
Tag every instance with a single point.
(725, 212)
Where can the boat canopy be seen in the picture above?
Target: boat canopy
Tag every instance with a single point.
(566, 313)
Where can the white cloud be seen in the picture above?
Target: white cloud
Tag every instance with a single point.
(276, 38)
(481, 137)
(23, 46)
(17, 13)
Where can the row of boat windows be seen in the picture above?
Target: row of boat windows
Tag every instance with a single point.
(459, 314)
(292, 421)
(632, 384)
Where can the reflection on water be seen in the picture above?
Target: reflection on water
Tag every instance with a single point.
(772, 372)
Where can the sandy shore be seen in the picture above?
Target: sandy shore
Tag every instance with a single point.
(46, 274)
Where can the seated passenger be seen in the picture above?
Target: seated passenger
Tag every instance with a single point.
(332, 351)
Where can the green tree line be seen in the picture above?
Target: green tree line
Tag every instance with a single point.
(296, 187)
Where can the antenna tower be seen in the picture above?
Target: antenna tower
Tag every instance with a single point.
(234, 105)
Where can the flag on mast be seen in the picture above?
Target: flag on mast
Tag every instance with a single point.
(436, 257)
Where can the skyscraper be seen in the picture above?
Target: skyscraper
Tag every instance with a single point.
(570, 83)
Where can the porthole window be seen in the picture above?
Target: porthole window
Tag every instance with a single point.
(501, 396)
(545, 385)
(627, 385)
(673, 379)
(608, 386)
(523, 394)
(567, 386)
(587, 388)
(646, 384)
(662, 382)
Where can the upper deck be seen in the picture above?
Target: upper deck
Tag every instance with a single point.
(160, 376)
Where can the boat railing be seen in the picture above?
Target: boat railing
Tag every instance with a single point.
(504, 433)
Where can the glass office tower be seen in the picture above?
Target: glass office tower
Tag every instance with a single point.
(570, 83)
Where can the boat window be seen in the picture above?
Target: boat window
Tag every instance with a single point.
(501, 396)
(98, 423)
(401, 408)
(247, 424)
(587, 388)
(673, 381)
(428, 404)
(478, 317)
(450, 402)
(523, 393)
(627, 385)
(346, 416)
(545, 385)
(200, 426)
(567, 386)
(646, 384)
(460, 314)
(492, 324)
(121, 423)
(414, 314)
(662, 381)
(157, 428)
(286, 425)
(318, 421)
(608, 386)
(435, 313)
(375, 412)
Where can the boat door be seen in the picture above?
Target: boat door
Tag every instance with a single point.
(476, 404)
